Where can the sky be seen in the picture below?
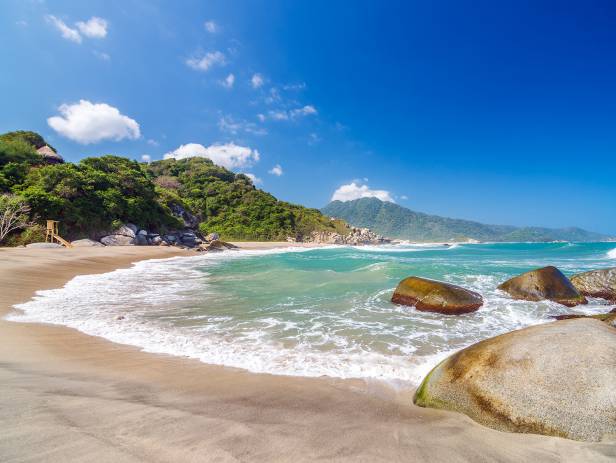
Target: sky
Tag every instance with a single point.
(502, 112)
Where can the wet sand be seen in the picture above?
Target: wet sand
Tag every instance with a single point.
(66, 396)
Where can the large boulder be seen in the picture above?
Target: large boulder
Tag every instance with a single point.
(44, 245)
(436, 296)
(597, 283)
(117, 240)
(85, 243)
(557, 379)
(543, 283)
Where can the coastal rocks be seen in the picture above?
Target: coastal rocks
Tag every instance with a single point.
(190, 220)
(127, 229)
(86, 243)
(557, 379)
(544, 283)
(212, 237)
(216, 246)
(117, 240)
(44, 245)
(609, 318)
(597, 283)
(355, 237)
(436, 296)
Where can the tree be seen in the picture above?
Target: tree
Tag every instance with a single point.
(14, 214)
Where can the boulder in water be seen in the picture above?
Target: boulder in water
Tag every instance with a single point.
(557, 379)
(543, 283)
(436, 296)
(597, 283)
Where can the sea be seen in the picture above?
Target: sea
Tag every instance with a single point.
(312, 312)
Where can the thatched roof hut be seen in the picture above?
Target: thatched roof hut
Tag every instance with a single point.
(50, 155)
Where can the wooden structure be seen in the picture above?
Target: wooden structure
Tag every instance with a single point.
(51, 234)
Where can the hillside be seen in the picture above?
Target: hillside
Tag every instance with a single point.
(98, 193)
(395, 221)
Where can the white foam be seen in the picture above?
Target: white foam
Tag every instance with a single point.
(612, 254)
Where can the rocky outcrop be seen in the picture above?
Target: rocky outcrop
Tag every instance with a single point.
(355, 237)
(117, 240)
(436, 296)
(597, 283)
(544, 283)
(557, 379)
(216, 246)
(85, 243)
(190, 220)
(609, 318)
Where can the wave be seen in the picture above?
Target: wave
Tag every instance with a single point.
(612, 254)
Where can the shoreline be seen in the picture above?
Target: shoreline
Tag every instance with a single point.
(73, 397)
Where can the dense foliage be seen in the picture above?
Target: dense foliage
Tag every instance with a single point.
(93, 196)
(395, 221)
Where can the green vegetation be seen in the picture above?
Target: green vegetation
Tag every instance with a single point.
(395, 221)
(95, 195)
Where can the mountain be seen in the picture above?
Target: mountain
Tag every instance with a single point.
(395, 221)
(98, 193)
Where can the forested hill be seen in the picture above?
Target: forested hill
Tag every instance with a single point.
(98, 193)
(395, 221)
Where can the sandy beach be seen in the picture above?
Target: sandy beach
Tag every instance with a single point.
(66, 396)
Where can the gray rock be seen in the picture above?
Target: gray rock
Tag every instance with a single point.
(128, 229)
(155, 240)
(170, 238)
(597, 283)
(212, 237)
(557, 379)
(141, 240)
(143, 232)
(44, 245)
(85, 243)
(117, 240)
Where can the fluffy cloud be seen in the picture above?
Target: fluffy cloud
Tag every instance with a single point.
(353, 191)
(276, 170)
(257, 81)
(206, 61)
(86, 122)
(228, 81)
(67, 32)
(229, 155)
(211, 27)
(307, 110)
(255, 180)
(146, 157)
(95, 28)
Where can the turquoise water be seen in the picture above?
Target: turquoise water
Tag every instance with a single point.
(312, 312)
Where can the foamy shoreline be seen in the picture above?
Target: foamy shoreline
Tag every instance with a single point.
(73, 397)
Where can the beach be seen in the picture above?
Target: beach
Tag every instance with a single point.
(66, 396)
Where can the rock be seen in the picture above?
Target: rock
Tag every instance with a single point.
(212, 237)
(609, 318)
(190, 220)
(436, 296)
(120, 317)
(216, 246)
(544, 283)
(84, 243)
(155, 240)
(354, 237)
(557, 379)
(143, 232)
(597, 283)
(141, 240)
(170, 238)
(117, 240)
(44, 245)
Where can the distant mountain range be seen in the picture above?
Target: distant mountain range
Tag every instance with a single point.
(394, 221)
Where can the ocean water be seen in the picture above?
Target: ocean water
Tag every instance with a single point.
(318, 312)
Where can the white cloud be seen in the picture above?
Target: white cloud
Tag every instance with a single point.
(255, 180)
(278, 115)
(211, 26)
(146, 157)
(86, 122)
(305, 111)
(229, 125)
(102, 55)
(206, 61)
(95, 27)
(273, 97)
(228, 81)
(67, 32)
(257, 81)
(228, 155)
(353, 191)
(295, 87)
(276, 170)
(261, 117)
(152, 142)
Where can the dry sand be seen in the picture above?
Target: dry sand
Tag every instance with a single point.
(65, 396)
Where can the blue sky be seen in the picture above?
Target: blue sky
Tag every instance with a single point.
(502, 112)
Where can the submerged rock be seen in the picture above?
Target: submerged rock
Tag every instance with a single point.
(597, 283)
(557, 379)
(543, 283)
(436, 296)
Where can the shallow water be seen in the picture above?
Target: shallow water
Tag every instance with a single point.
(311, 312)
